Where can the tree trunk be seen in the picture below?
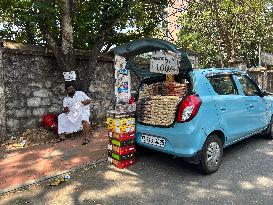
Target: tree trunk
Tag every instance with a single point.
(86, 75)
(67, 36)
(52, 43)
(29, 34)
(223, 32)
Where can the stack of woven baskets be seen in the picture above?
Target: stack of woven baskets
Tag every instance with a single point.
(164, 89)
(176, 89)
(158, 102)
(157, 110)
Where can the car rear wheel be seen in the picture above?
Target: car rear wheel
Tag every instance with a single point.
(212, 154)
(269, 133)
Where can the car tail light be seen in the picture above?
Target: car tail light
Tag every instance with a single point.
(189, 108)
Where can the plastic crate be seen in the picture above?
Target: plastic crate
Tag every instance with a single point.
(119, 157)
(120, 143)
(122, 137)
(122, 150)
(123, 164)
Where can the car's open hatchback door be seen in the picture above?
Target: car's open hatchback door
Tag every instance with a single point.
(145, 45)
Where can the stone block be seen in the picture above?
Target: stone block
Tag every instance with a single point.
(59, 88)
(92, 88)
(22, 113)
(30, 123)
(12, 123)
(31, 76)
(34, 102)
(42, 93)
(15, 104)
(46, 102)
(26, 91)
(39, 112)
(38, 85)
(55, 109)
(48, 84)
(58, 101)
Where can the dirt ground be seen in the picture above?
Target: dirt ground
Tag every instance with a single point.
(30, 137)
(36, 136)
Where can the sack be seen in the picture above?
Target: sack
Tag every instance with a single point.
(50, 121)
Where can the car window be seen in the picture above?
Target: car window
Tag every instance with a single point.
(248, 86)
(223, 85)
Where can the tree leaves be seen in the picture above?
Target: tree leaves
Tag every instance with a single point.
(227, 31)
(93, 20)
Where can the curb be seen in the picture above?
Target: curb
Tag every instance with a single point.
(35, 181)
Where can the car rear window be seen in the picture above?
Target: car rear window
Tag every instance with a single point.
(249, 88)
(223, 85)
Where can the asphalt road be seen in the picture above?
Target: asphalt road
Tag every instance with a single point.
(245, 177)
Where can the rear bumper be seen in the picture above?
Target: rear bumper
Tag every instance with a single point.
(182, 140)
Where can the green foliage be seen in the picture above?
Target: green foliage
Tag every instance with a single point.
(224, 31)
(93, 20)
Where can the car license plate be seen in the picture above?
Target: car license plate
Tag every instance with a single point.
(156, 141)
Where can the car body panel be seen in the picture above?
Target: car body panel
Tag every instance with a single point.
(228, 114)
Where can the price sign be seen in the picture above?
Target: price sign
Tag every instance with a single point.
(165, 62)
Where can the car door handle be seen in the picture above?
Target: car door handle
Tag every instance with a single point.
(223, 109)
(251, 106)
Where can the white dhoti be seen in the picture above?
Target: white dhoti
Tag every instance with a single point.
(72, 121)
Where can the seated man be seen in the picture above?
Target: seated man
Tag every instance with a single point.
(76, 112)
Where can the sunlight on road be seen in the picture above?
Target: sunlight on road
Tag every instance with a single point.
(260, 182)
(266, 151)
(119, 185)
(197, 192)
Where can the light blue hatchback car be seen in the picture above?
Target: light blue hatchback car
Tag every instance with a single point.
(223, 107)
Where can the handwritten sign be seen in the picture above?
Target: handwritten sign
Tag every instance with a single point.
(165, 62)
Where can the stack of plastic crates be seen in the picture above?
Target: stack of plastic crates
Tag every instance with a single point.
(121, 147)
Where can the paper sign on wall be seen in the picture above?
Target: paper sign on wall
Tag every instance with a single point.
(165, 62)
(69, 76)
(122, 76)
(120, 62)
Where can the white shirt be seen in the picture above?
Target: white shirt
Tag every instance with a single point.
(72, 121)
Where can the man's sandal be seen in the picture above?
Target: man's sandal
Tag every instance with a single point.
(85, 141)
(61, 139)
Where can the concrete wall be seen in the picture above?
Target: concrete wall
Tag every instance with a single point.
(263, 78)
(2, 98)
(31, 85)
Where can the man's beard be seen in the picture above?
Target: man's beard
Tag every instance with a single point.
(71, 94)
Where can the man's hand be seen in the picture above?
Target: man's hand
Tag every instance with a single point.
(66, 110)
(86, 102)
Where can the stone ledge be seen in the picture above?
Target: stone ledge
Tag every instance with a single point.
(29, 49)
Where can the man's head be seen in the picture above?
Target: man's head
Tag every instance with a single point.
(70, 89)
